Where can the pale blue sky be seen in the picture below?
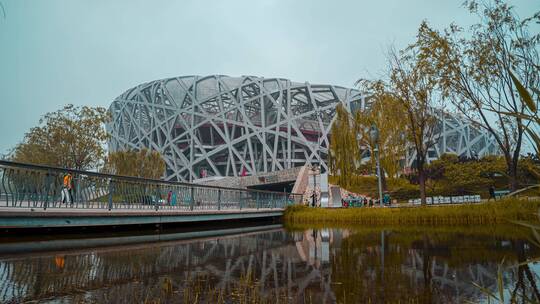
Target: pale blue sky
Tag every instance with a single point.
(87, 52)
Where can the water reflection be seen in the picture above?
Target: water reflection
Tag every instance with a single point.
(313, 265)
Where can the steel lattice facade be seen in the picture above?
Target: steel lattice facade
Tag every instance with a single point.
(232, 126)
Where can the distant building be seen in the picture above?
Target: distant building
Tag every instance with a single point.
(233, 126)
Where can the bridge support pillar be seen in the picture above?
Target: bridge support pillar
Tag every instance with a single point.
(192, 198)
(158, 198)
(111, 190)
(257, 200)
(241, 201)
(219, 200)
(47, 188)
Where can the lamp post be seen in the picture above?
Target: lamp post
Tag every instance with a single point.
(374, 134)
(314, 169)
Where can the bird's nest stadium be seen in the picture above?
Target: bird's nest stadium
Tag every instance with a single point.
(232, 126)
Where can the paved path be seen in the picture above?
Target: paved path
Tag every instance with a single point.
(127, 212)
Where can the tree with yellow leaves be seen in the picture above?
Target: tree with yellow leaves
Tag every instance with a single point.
(388, 115)
(72, 137)
(343, 156)
(144, 163)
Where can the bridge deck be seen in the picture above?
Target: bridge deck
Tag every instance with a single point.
(17, 217)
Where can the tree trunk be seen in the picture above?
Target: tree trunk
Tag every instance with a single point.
(420, 163)
(512, 174)
(422, 182)
(383, 180)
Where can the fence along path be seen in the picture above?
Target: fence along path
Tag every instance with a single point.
(34, 186)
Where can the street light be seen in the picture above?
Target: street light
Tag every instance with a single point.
(374, 134)
(314, 169)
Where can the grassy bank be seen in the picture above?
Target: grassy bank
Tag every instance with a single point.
(498, 212)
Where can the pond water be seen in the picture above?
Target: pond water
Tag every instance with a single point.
(270, 264)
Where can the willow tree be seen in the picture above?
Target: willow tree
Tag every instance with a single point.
(143, 163)
(478, 68)
(532, 116)
(411, 82)
(413, 86)
(343, 157)
(388, 115)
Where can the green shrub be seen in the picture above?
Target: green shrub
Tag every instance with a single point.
(449, 176)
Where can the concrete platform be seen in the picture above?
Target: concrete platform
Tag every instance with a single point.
(13, 217)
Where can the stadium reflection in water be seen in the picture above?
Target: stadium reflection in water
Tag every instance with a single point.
(311, 265)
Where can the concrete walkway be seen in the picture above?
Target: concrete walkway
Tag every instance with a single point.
(119, 212)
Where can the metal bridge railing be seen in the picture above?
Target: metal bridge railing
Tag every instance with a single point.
(36, 186)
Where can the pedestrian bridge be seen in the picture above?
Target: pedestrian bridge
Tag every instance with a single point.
(31, 197)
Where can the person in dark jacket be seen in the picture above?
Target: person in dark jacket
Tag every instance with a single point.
(491, 193)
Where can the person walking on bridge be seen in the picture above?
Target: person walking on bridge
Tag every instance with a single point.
(67, 187)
